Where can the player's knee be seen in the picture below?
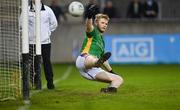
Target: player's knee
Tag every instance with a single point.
(119, 79)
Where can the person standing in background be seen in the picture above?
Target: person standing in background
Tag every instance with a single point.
(151, 9)
(109, 9)
(48, 25)
(58, 11)
(135, 9)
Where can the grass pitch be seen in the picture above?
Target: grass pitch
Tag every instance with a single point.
(146, 87)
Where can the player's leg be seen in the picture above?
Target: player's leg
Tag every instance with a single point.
(46, 51)
(114, 80)
(97, 73)
(84, 71)
(91, 61)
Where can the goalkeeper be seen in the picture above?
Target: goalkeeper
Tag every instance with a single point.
(92, 56)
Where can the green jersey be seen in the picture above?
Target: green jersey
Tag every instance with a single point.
(93, 43)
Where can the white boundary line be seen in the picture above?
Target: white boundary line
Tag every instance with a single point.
(65, 76)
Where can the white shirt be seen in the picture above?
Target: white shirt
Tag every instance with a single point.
(48, 25)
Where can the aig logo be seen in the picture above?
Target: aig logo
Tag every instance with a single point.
(133, 49)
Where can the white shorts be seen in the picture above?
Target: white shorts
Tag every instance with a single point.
(87, 73)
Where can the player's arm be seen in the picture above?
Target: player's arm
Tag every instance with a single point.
(89, 19)
(89, 25)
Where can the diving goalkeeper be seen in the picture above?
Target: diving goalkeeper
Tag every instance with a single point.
(93, 58)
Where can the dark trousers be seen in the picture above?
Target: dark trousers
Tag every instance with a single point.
(35, 67)
(35, 62)
(46, 53)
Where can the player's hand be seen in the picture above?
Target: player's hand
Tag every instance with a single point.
(91, 11)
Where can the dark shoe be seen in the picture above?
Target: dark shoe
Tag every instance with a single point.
(38, 85)
(104, 90)
(109, 90)
(50, 86)
(103, 58)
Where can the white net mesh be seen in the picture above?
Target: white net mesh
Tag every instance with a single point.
(10, 68)
(35, 67)
(32, 55)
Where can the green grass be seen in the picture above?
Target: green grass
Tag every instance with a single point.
(146, 87)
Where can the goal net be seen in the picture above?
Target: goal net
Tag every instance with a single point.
(10, 66)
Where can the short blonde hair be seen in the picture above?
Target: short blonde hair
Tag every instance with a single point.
(99, 16)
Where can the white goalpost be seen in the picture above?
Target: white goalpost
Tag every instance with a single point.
(38, 26)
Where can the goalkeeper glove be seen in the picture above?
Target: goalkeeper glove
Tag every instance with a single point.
(91, 11)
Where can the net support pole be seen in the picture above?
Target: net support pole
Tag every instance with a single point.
(25, 50)
(38, 26)
(38, 6)
(25, 46)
